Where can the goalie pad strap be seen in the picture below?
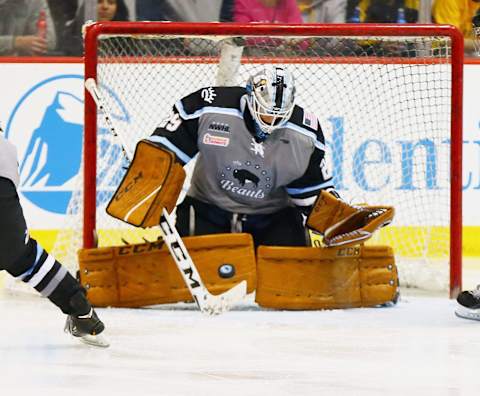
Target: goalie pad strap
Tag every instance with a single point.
(153, 182)
(145, 274)
(326, 278)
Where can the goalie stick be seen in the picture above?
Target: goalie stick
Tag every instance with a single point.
(207, 303)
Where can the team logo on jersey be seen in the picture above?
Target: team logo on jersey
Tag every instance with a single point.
(213, 140)
(46, 125)
(219, 127)
(257, 148)
(246, 181)
(245, 176)
(208, 95)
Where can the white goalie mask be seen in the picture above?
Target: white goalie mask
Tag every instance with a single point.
(271, 95)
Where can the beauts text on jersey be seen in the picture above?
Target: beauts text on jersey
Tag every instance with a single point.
(235, 171)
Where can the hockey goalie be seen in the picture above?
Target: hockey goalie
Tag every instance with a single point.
(261, 172)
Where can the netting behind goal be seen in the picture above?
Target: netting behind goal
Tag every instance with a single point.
(384, 95)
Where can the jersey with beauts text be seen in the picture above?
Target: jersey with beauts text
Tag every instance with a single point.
(235, 171)
(8, 161)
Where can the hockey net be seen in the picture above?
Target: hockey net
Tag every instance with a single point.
(388, 99)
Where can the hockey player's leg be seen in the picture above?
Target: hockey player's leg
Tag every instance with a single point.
(23, 258)
(469, 304)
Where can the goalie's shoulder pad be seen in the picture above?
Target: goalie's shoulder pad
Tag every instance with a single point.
(195, 104)
(303, 118)
(306, 124)
(152, 182)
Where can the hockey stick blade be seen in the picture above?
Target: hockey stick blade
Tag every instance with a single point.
(217, 304)
(207, 303)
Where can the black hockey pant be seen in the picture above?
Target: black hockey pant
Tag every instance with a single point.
(23, 258)
(283, 228)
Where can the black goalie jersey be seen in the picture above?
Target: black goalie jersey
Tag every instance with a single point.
(236, 172)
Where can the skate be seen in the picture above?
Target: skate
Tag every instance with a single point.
(469, 304)
(87, 328)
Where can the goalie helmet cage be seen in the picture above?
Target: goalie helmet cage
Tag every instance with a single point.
(388, 97)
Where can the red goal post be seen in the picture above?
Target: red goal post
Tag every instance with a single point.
(416, 72)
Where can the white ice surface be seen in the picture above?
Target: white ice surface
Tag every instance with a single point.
(416, 348)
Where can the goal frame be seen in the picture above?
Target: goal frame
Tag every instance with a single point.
(93, 31)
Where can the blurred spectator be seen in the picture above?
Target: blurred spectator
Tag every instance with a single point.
(178, 10)
(270, 11)
(226, 11)
(323, 11)
(458, 13)
(112, 10)
(353, 11)
(383, 11)
(107, 10)
(62, 11)
(26, 28)
(273, 11)
(154, 10)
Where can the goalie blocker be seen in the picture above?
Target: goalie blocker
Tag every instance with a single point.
(152, 182)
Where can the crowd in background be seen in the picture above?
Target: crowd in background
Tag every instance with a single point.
(53, 27)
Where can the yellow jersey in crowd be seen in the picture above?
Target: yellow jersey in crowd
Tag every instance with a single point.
(364, 4)
(456, 12)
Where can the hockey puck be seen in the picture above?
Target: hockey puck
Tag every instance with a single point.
(226, 271)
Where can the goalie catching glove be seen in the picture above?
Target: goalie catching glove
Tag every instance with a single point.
(344, 225)
(153, 182)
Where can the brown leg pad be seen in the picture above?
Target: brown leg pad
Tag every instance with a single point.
(326, 278)
(145, 274)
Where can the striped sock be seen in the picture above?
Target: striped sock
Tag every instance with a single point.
(52, 280)
(45, 273)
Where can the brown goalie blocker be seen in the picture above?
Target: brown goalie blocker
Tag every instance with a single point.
(145, 274)
(153, 182)
(344, 225)
(326, 278)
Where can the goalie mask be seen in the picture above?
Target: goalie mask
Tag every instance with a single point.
(271, 94)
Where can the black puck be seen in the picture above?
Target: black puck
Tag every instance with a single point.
(226, 271)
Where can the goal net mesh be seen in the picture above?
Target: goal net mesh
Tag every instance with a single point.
(384, 104)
